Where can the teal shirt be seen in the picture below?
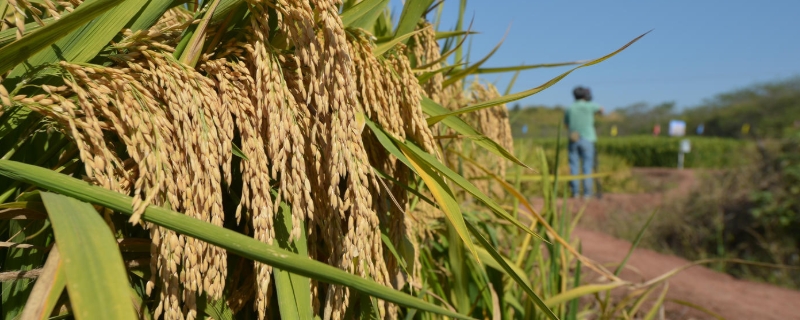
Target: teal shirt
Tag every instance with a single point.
(580, 118)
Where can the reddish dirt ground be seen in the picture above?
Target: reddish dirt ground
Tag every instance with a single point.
(729, 297)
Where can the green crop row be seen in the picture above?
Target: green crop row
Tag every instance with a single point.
(649, 151)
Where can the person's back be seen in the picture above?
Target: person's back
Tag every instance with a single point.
(579, 119)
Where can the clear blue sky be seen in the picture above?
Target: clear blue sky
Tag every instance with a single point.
(696, 50)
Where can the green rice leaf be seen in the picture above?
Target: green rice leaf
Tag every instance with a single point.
(519, 95)
(22, 49)
(293, 290)
(97, 282)
(527, 67)
(364, 14)
(471, 69)
(232, 241)
(578, 292)
(196, 35)
(431, 108)
(450, 34)
(635, 243)
(431, 161)
(511, 273)
(657, 305)
(439, 189)
(84, 41)
(413, 11)
(381, 48)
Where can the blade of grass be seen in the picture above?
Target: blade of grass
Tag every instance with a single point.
(635, 243)
(698, 308)
(82, 44)
(404, 186)
(488, 260)
(363, 14)
(516, 96)
(381, 48)
(511, 85)
(510, 272)
(528, 67)
(413, 10)
(573, 305)
(639, 301)
(438, 188)
(539, 219)
(458, 266)
(48, 288)
(473, 68)
(432, 108)
(450, 34)
(18, 51)
(578, 292)
(230, 240)
(461, 182)
(659, 302)
(189, 53)
(97, 282)
(293, 291)
(441, 192)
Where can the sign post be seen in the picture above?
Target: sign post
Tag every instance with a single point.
(685, 147)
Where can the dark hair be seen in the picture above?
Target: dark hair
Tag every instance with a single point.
(582, 93)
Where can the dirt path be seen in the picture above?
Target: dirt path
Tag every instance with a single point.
(732, 298)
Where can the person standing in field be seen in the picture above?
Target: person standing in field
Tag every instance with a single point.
(579, 119)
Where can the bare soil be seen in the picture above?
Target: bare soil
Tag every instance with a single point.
(718, 292)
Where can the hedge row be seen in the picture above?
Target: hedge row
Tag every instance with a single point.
(649, 151)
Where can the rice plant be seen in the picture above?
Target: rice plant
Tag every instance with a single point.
(264, 159)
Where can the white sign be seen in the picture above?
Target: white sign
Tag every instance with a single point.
(677, 128)
(686, 146)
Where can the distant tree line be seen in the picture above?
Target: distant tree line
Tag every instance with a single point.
(768, 109)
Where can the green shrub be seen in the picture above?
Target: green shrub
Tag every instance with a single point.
(648, 151)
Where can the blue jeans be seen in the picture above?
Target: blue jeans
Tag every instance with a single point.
(581, 151)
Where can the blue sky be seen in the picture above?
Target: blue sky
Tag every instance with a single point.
(697, 48)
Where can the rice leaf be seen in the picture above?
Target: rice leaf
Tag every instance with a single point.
(461, 182)
(413, 11)
(659, 302)
(439, 189)
(431, 108)
(698, 308)
(293, 290)
(81, 40)
(381, 48)
(527, 67)
(578, 292)
(364, 14)
(635, 243)
(488, 260)
(196, 35)
(444, 197)
(232, 241)
(48, 288)
(97, 282)
(9, 35)
(471, 69)
(511, 273)
(516, 96)
(451, 34)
